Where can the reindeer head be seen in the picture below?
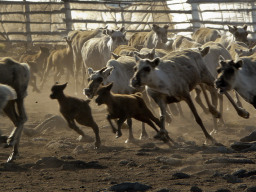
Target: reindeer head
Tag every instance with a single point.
(96, 79)
(57, 90)
(227, 72)
(240, 33)
(118, 36)
(145, 55)
(143, 70)
(161, 32)
(103, 94)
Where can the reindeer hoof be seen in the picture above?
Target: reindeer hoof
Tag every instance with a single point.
(118, 134)
(214, 131)
(85, 138)
(97, 145)
(162, 136)
(10, 142)
(211, 141)
(114, 130)
(243, 113)
(130, 140)
(13, 156)
(144, 136)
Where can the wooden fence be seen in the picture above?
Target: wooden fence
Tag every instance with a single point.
(35, 22)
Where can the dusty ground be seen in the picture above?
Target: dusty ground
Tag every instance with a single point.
(56, 161)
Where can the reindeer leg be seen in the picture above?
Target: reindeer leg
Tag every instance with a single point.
(198, 119)
(144, 134)
(220, 97)
(131, 137)
(240, 111)
(97, 136)
(114, 130)
(72, 125)
(11, 113)
(180, 110)
(212, 109)
(14, 137)
(163, 132)
(119, 124)
(238, 101)
(33, 83)
(199, 100)
(214, 96)
(21, 110)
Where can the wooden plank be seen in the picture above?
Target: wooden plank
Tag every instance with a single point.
(37, 33)
(224, 22)
(219, 1)
(254, 18)
(35, 41)
(27, 17)
(126, 22)
(132, 11)
(227, 10)
(195, 16)
(31, 22)
(68, 16)
(61, 11)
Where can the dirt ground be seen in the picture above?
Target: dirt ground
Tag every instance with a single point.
(55, 160)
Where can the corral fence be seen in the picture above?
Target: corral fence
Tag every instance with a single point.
(50, 21)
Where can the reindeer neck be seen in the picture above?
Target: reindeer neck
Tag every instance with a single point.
(62, 98)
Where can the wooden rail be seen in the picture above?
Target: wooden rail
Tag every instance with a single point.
(65, 22)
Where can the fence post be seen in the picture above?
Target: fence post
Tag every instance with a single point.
(68, 16)
(254, 19)
(195, 16)
(27, 17)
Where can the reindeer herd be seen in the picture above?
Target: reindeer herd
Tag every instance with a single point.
(132, 77)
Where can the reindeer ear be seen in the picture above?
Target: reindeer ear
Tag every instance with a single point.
(222, 61)
(155, 62)
(107, 32)
(245, 27)
(137, 58)
(254, 49)
(231, 29)
(136, 53)
(115, 55)
(122, 29)
(101, 71)
(107, 72)
(155, 27)
(90, 71)
(166, 26)
(238, 51)
(204, 51)
(238, 64)
(153, 51)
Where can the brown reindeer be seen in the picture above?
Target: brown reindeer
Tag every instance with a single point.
(59, 60)
(153, 39)
(124, 107)
(74, 109)
(37, 62)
